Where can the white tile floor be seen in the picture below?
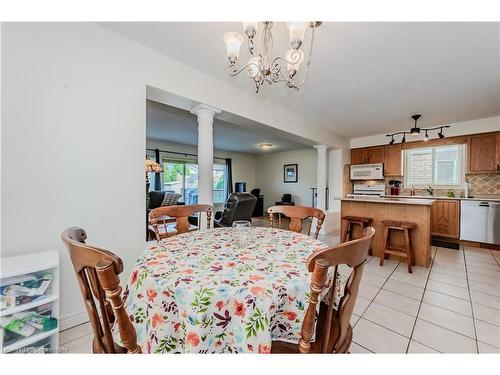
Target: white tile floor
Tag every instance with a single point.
(453, 307)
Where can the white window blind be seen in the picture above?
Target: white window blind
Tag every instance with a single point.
(440, 165)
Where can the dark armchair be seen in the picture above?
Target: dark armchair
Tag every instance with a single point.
(286, 200)
(239, 206)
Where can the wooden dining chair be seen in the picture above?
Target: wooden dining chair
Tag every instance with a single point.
(161, 217)
(333, 328)
(97, 272)
(296, 215)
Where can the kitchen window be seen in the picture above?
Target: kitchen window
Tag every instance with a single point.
(441, 166)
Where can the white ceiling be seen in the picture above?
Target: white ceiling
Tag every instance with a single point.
(176, 125)
(365, 78)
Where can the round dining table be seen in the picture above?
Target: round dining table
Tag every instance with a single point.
(224, 290)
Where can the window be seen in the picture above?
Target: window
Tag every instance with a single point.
(182, 177)
(441, 166)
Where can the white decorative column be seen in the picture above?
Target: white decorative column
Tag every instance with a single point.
(321, 177)
(205, 115)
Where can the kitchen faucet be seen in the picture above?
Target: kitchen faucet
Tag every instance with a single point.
(430, 190)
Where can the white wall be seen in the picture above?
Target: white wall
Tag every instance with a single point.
(483, 125)
(73, 117)
(269, 176)
(243, 165)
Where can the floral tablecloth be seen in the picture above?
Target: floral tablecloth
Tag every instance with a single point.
(226, 290)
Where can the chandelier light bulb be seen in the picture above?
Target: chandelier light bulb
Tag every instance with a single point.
(297, 31)
(233, 42)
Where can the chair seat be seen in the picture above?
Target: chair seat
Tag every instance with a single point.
(364, 220)
(281, 347)
(398, 224)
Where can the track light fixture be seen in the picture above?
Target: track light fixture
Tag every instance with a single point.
(415, 130)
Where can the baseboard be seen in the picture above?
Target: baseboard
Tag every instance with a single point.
(73, 320)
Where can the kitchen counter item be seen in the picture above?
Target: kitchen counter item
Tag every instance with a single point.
(480, 221)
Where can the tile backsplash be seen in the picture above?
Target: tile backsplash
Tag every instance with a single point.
(484, 184)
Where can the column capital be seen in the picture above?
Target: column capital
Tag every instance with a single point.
(204, 108)
(321, 147)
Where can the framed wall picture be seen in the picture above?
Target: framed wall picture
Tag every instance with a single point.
(290, 173)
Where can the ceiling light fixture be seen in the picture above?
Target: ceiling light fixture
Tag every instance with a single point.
(265, 146)
(416, 131)
(261, 67)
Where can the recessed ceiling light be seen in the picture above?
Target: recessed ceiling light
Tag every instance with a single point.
(265, 146)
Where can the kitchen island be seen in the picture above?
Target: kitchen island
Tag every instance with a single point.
(417, 211)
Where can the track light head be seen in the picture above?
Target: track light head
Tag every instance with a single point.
(404, 138)
(392, 140)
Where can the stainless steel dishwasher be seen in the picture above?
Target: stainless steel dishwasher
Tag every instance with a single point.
(480, 221)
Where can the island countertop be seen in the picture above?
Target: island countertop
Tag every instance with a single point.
(389, 200)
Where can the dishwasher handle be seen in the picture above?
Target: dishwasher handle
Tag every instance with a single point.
(484, 204)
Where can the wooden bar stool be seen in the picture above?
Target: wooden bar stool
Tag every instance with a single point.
(405, 251)
(363, 222)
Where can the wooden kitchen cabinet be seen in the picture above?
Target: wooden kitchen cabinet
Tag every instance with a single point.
(367, 155)
(392, 160)
(445, 218)
(483, 153)
(359, 156)
(375, 155)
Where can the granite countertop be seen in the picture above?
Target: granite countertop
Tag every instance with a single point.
(389, 199)
(493, 198)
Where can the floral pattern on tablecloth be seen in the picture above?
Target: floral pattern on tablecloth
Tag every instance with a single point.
(227, 290)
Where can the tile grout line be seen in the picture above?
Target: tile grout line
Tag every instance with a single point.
(494, 257)
(363, 347)
(421, 301)
(471, 304)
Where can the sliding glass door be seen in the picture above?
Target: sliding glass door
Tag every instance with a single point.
(182, 177)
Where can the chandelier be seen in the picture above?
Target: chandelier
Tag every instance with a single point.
(261, 67)
(416, 131)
